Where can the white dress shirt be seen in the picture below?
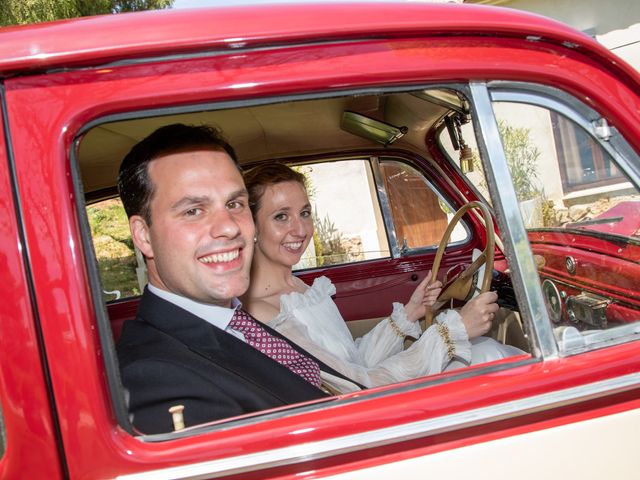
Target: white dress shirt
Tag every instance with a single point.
(213, 314)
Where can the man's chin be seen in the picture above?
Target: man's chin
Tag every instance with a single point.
(227, 292)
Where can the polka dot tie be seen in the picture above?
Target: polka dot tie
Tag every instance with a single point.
(274, 347)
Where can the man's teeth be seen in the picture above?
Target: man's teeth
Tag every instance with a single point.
(221, 257)
(293, 246)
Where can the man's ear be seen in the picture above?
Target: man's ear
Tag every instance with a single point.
(140, 235)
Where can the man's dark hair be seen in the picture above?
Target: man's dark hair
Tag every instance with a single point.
(134, 185)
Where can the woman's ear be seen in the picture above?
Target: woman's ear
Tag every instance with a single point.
(140, 235)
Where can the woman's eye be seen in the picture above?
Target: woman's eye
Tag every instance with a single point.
(280, 217)
(305, 213)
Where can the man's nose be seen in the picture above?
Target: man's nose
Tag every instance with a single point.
(224, 224)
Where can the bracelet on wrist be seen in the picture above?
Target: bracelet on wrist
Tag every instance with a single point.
(443, 331)
(396, 328)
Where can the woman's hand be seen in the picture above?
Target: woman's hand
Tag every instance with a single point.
(423, 297)
(477, 315)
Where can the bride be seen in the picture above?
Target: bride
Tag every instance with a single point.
(308, 316)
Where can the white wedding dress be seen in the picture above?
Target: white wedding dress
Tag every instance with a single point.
(312, 320)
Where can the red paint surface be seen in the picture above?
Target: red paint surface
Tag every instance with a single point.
(45, 111)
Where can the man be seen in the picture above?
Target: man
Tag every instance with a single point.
(189, 216)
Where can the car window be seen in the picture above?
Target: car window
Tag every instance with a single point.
(349, 216)
(383, 210)
(582, 215)
(348, 222)
(421, 227)
(122, 273)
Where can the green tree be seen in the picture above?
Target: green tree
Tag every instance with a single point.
(18, 12)
(522, 158)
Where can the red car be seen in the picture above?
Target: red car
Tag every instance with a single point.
(400, 114)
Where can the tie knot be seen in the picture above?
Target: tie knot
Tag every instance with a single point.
(242, 321)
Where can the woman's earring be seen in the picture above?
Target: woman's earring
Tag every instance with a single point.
(255, 239)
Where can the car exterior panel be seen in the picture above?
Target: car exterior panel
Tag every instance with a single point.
(51, 98)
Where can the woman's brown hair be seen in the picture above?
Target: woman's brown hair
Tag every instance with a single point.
(257, 179)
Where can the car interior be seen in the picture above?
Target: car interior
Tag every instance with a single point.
(388, 171)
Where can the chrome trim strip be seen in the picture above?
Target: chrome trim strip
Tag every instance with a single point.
(384, 436)
(385, 206)
(516, 242)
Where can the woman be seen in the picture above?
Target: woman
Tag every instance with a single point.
(308, 316)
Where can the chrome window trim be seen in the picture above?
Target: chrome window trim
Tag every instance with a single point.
(385, 207)
(526, 282)
(399, 433)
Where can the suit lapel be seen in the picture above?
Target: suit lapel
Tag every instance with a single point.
(225, 350)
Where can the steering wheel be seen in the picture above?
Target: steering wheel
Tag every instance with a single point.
(462, 286)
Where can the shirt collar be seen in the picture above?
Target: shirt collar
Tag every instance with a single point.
(213, 314)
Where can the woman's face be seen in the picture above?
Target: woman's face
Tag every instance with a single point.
(284, 223)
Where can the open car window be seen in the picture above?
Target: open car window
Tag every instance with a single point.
(121, 267)
(348, 221)
(381, 208)
(420, 213)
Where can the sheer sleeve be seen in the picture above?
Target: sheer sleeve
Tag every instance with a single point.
(313, 321)
(387, 337)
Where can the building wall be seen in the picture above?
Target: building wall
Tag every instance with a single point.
(616, 24)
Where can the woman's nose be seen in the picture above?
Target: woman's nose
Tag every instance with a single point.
(298, 227)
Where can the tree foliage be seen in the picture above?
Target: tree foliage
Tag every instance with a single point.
(18, 12)
(522, 158)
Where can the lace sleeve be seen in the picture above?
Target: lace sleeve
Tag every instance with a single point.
(438, 345)
(387, 337)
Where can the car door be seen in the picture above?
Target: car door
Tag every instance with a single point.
(469, 420)
(28, 415)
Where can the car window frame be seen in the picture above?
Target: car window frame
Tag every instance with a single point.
(528, 283)
(116, 391)
(398, 251)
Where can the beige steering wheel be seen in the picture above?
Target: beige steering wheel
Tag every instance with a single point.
(462, 287)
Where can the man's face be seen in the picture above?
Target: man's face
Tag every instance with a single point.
(200, 241)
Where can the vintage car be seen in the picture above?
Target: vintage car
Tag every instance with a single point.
(399, 114)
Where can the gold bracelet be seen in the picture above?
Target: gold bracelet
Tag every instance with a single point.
(395, 328)
(443, 330)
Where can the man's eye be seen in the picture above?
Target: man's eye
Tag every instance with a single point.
(235, 205)
(192, 212)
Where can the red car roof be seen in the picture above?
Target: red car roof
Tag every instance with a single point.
(106, 38)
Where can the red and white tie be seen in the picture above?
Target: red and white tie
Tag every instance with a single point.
(276, 348)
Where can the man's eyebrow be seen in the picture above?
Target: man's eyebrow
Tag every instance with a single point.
(190, 201)
(238, 193)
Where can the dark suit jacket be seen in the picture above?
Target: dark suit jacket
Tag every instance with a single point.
(168, 356)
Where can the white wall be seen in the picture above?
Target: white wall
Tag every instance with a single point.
(616, 24)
